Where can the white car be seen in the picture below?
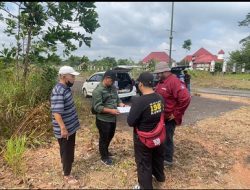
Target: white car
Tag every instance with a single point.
(126, 86)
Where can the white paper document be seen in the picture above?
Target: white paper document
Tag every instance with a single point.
(124, 109)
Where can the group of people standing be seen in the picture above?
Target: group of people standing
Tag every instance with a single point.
(153, 116)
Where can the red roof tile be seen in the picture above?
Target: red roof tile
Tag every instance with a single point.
(157, 56)
(202, 51)
(188, 58)
(205, 59)
(203, 56)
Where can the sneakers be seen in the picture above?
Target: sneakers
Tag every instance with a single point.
(137, 187)
(167, 163)
(107, 162)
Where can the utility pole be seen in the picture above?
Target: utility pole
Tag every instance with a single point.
(171, 36)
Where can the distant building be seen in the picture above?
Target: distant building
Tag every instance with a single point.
(158, 57)
(201, 59)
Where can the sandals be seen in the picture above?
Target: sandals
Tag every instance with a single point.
(71, 180)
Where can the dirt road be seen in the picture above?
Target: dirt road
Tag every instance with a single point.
(213, 153)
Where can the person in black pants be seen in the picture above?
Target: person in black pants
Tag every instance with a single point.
(104, 102)
(106, 132)
(144, 115)
(177, 100)
(67, 148)
(65, 119)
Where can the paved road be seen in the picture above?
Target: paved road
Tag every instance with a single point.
(229, 92)
(200, 108)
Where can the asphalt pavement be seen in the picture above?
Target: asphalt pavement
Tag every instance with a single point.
(199, 108)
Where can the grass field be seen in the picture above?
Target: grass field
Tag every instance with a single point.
(228, 81)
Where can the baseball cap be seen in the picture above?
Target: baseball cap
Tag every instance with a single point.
(67, 70)
(111, 74)
(146, 78)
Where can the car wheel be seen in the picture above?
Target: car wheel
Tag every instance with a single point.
(85, 93)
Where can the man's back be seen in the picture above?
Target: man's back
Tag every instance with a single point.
(145, 112)
(175, 95)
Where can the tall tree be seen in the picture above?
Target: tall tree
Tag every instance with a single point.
(85, 59)
(74, 60)
(245, 22)
(42, 26)
(241, 56)
(187, 46)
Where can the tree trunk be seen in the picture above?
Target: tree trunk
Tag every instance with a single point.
(26, 58)
(18, 45)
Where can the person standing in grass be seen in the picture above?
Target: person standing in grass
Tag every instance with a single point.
(65, 119)
(145, 114)
(177, 100)
(105, 101)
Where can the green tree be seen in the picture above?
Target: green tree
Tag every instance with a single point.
(85, 59)
(240, 56)
(107, 62)
(218, 66)
(54, 59)
(151, 65)
(39, 27)
(245, 22)
(125, 62)
(74, 61)
(187, 46)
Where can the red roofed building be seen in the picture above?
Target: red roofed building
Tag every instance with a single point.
(157, 56)
(202, 58)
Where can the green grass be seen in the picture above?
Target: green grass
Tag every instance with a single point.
(218, 80)
(14, 152)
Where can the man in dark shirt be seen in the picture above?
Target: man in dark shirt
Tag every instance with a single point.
(144, 115)
(187, 80)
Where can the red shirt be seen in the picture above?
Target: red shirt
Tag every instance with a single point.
(176, 97)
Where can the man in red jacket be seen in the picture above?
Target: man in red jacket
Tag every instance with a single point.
(177, 99)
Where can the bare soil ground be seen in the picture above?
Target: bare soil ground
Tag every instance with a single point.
(213, 153)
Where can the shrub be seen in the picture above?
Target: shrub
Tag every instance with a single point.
(16, 102)
(13, 154)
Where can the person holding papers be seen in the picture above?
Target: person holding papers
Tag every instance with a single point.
(104, 102)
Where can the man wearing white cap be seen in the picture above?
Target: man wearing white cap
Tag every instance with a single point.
(65, 120)
(177, 99)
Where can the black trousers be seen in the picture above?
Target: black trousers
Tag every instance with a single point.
(149, 162)
(169, 143)
(67, 151)
(106, 133)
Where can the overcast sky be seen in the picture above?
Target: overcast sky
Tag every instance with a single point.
(134, 29)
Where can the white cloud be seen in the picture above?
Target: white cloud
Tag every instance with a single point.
(163, 46)
(134, 29)
(103, 39)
